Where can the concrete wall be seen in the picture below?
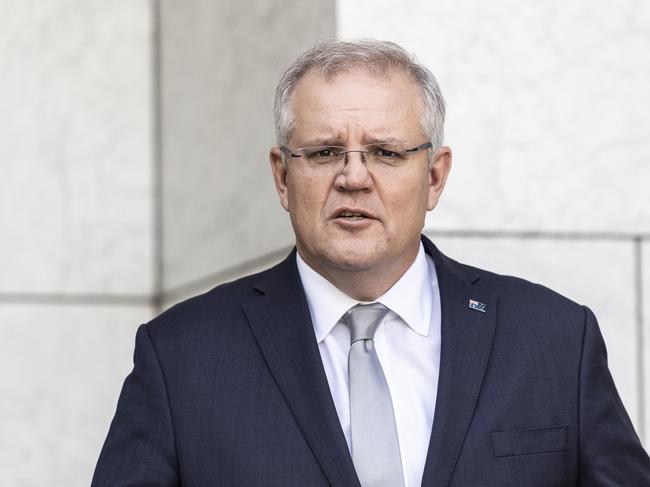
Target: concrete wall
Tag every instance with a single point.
(75, 227)
(220, 63)
(548, 107)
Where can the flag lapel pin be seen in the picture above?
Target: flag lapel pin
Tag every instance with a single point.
(475, 305)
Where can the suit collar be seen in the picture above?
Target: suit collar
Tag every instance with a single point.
(466, 335)
(280, 321)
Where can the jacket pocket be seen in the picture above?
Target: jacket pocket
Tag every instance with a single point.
(529, 441)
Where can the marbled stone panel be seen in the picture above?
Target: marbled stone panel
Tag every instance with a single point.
(63, 368)
(221, 61)
(75, 149)
(599, 274)
(548, 106)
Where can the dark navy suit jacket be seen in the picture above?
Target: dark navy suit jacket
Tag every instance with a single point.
(228, 389)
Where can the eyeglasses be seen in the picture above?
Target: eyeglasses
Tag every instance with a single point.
(378, 155)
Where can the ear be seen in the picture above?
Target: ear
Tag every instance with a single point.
(438, 173)
(279, 170)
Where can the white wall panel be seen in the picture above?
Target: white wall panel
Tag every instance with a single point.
(63, 368)
(75, 149)
(549, 109)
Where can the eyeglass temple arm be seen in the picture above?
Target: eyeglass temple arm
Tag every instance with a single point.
(289, 151)
(426, 145)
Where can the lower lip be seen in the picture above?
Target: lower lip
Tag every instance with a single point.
(354, 223)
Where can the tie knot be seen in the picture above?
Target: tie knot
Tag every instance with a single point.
(363, 320)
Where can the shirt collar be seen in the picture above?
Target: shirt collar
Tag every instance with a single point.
(327, 303)
(411, 297)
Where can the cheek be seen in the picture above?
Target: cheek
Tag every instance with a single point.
(307, 198)
(410, 197)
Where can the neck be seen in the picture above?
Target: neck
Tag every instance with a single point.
(364, 284)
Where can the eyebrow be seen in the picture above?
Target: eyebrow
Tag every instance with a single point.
(337, 142)
(384, 140)
(324, 141)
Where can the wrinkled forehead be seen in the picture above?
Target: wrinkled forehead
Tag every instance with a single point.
(380, 101)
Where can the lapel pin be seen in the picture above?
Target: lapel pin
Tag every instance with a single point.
(477, 306)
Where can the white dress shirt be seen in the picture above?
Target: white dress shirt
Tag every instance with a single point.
(407, 344)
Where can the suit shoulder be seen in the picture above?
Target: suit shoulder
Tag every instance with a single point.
(522, 294)
(528, 310)
(223, 302)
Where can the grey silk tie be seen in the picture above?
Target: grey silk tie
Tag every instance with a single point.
(375, 447)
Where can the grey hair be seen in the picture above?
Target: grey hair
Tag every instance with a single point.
(333, 56)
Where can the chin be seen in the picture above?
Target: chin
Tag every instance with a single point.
(353, 258)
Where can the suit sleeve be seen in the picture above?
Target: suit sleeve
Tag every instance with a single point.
(140, 447)
(610, 451)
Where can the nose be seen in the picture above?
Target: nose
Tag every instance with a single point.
(355, 175)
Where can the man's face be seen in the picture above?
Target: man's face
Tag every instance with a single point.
(352, 110)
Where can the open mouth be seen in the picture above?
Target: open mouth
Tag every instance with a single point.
(351, 215)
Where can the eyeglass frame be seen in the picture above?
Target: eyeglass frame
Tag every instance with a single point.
(286, 150)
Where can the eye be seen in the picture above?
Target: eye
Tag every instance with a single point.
(325, 153)
(322, 154)
(387, 153)
(391, 155)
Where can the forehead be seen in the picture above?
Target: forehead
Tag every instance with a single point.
(357, 102)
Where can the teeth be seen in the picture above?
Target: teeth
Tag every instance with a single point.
(354, 216)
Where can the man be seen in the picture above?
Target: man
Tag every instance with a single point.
(367, 357)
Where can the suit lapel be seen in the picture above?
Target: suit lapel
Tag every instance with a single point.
(282, 326)
(466, 341)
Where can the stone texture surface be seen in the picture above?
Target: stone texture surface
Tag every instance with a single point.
(221, 61)
(599, 274)
(63, 368)
(549, 109)
(75, 150)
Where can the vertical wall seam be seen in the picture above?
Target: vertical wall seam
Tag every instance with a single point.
(157, 153)
(640, 334)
